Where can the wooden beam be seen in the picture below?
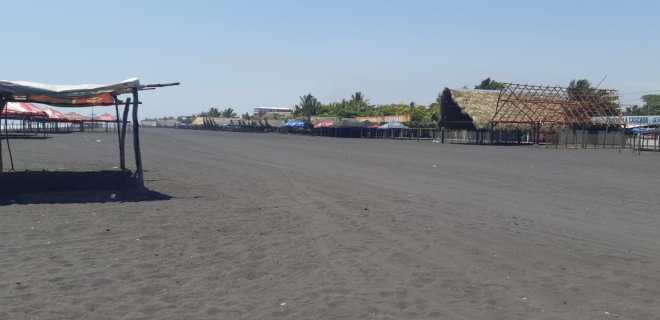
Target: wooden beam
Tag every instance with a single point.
(118, 133)
(139, 172)
(158, 85)
(122, 143)
(3, 103)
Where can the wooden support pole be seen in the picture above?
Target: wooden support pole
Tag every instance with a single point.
(139, 172)
(11, 158)
(121, 164)
(3, 103)
(122, 142)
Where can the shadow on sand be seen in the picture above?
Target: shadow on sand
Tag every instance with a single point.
(25, 137)
(44, 187)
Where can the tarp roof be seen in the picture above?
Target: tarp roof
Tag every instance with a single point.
(106, 117)
(348, 123)
(22, 110)
(54, 114)
(295, 123)
(76, 117)
(326, 123)
(66, 95)
(393, 125)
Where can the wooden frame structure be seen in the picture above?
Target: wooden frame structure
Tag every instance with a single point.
(86, 97)
(537, 106)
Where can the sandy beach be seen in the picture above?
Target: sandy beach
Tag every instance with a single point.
(271, 226)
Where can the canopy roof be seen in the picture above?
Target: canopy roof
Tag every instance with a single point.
(106, 117)
(66, 95)
(22, 110)
(72, 116)
(393, 125)
(468, 109)
(326, 123)
(54, 114)
(85, 95)
(295, 123)
(348, 123)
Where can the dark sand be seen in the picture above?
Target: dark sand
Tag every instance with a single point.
(291, 227)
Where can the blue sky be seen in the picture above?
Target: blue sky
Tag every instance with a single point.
(243, 54)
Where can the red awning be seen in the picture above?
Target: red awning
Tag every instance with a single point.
(76, 117)
(21, 110)
(106, 117)
(55, 115)
(325, 124)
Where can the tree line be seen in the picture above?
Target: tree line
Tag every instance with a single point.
(651, 106)
(215, 113)
(357, 105)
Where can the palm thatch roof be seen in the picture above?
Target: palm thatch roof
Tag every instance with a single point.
(214, 121)
(468, 109)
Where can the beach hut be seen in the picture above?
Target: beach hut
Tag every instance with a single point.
(79, 96)
(54, 115)
(348, 123)
(369, 124)
(22, 110)
(76, 117)
(106, 117)
(393, 125)
(468, 109)
(56, 119)
(23, 116)
(326, 123)
(295, 124)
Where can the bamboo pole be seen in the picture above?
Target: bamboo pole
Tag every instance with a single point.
(139, 173)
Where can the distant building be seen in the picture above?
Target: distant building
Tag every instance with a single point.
(163, 123)
(260, 112)
(149, 123)
(167, 123)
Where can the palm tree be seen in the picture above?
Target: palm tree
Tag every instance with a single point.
(357, 97)
(229, 113)
(358, 102)
(213, 112)
(309, 106)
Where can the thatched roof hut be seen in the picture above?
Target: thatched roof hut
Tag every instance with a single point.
(215, 121)
(468, 109)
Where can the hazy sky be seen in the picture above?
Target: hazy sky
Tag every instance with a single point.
(267, 53)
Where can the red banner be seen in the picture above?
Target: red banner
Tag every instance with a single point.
(101, 99)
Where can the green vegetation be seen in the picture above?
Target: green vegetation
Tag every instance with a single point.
(489, 84)
(309, 106)
(651, 106)
(228, 113)
(420, 115)
(215, 113)
(359, 106)
(583, 90)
